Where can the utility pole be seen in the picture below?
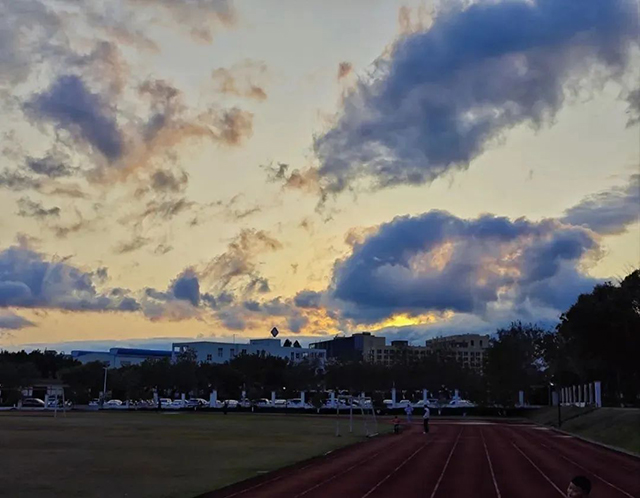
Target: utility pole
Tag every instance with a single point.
(104, 386)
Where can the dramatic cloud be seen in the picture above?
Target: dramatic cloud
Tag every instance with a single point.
(132, 245)
(308, 299)
(633, 99)
(237, 266)
(18, 181)
(32, 209)
(437, 262)
(187, 287)
(48, 166)
(241, 80)
(11, 321)
(197, 16)
(85, 115)
(446, 93)
(608, 212)
(27, 280)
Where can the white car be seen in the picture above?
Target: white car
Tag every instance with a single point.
(431, 403)
(280, 403)
(403, 403)
(335, 405)
(178, 404)
(460, 403)
(197, 403)
(165, 402)
(297, 404)
(263, 403)
(244, 403)
(114, 404)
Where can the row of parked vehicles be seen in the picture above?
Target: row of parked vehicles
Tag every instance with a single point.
(295, 403)
(340, 403)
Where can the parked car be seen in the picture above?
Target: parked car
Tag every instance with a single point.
(262, 403)
(337, 404)
(403, 403)
(178, 404)
(280, 403)
(165, 402)
(231, 403)
(197, 403)
(94, 403)
(297, 403)
(244, 403)
(431, 403)
(114, 404)
(32, 403)
(460, 403)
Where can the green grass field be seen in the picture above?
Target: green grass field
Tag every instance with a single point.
(153, 454)
(619, 427)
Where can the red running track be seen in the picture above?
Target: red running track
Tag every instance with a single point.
(456, 459)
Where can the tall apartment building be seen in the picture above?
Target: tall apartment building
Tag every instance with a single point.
(467, 349)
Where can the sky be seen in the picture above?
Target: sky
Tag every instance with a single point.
(176, 169)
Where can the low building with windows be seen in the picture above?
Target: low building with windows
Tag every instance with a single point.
(120, 357)
(355, 347)
(397, 351)
(467, 349)
(221, 352)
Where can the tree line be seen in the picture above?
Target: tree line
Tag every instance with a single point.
(598, 338)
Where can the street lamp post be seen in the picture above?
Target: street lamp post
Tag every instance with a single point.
(104, 385)
(551, 384)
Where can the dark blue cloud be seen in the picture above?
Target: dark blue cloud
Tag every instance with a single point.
(70, 105)
(187, 287)
(447, 92)
(437, 262)
(610, 211)
(10, 321)
(27, 280)
(49, 166)
(308, 299)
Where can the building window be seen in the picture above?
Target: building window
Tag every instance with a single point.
(472, 343)
(233, 353)
(220, 352)
(209, 357)
(244, 351)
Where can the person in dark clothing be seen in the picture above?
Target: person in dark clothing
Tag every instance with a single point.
(425, 419)
(225, 407)
(579, 487)
(396, 425)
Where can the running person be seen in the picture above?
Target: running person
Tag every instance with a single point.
(425, 419)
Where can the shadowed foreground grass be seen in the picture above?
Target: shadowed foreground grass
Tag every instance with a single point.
(153, 454)
(618, 427)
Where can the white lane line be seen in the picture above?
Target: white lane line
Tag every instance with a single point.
(268, 481)
(393, 471)
(341, 473)
(586, 470)
(493, 476)
(538, 469)
(446, 464)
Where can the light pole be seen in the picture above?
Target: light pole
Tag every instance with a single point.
(104, 385)
(551, 384)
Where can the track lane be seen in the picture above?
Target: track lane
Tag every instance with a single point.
(605, 477)
(514, 473)
(419, 476)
